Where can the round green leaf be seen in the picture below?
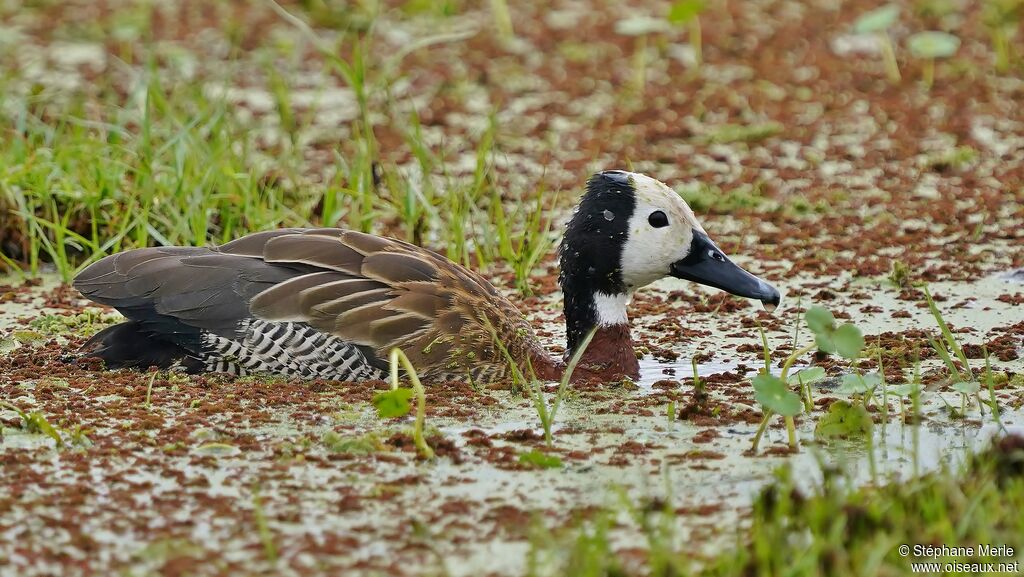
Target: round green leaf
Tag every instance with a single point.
(844, 420)
(773, 394)
(825, 343)
(933, 44)
(684, 11)
(877, 20)
(820, 320)
(904, 390)
(852, 385)
(849, 341)
(807, 376)
(856, 384)
(967, 388)
(394, 403)
(873, 380)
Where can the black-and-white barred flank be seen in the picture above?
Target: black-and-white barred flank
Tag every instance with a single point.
(286, 348)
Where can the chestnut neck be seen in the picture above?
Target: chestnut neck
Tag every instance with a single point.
(610, 354)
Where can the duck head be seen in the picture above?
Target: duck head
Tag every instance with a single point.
(628, 231)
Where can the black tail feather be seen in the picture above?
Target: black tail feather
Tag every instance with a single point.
(128, 346)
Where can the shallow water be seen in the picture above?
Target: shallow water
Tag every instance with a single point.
(622, 440)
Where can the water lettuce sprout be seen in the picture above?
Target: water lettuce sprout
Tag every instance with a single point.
(640, 27)
(846, 339)
(774, 395)
(395, 402)
(547, 414)
(262, 528)
(878, 22)
(35, 423)
(773, 392)
(1002, 17)
(502, 19)
(687, 12)
(930, 46)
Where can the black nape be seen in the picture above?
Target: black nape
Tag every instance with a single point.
(591, 250)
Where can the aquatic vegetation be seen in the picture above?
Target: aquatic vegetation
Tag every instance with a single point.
(1003, 17)
(85, 323)
(395, 403)
(832, 529)
(704, 198)
(524, 250)
(687, 13)
(774, 394)
(846, 339)
(262, 528)
(540, 459)
(35, 423)
(948, 340)
(878, 22)
(230, 120)
(535, 387)
(365, 444)
(931, 46)
(844, 420)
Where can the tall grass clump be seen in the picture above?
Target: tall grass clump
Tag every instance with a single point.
(175, 167)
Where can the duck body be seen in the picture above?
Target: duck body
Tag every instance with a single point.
(331, 303)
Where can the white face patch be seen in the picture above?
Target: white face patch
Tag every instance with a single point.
(650, 251)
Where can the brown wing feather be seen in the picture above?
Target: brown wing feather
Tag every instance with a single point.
(322, 251)
(346, 304)
(442, 315)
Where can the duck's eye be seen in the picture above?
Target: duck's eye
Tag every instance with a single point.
(658, 219)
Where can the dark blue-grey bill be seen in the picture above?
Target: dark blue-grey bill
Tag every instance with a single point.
(707, 264)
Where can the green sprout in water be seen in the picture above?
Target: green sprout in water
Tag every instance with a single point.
(774, 394)
(546, 414)
(540, 460)
(965, 381)
(949, 340)
(395, 403)
(687, 12)
(929, 46)
(846, 340)
(1003, 17)
(640, 27)
(878, 22)
(36, 423)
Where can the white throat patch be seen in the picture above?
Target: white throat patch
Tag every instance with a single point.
(611, 309)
